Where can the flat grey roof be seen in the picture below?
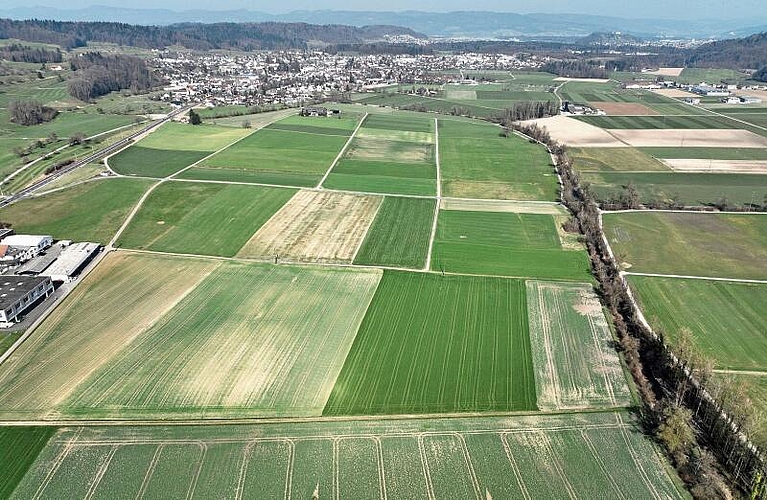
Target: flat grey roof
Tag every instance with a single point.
(12, 288)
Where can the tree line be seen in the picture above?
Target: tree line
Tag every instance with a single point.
(96, 74)
(577, 68)
(29, 113)
(24, 53)
(701, 422)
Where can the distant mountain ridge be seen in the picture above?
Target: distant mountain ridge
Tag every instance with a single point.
(467, 24)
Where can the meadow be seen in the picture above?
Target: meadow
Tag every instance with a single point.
(435, 344)
(691, 189)
(120, 299)
(614, 160)
(575, 363)
(727, 319)
(399, 234)
(236, 346)
(173, 147)
(202, 218)
(717, 245)
(295, 151)
(93, 211)
(586, 455)
(505, 244)
(477, 162)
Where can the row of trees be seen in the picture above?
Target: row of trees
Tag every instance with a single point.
(97, 74)
(578, 68)
(24, 53)
(700, 420)
(526, 110)
(30, 112)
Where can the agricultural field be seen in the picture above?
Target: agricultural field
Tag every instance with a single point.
(698, 244)
(661, 122)
(294, 151)
(19, 447)
(389, 154)
(493, 457)
(119, 300)
(614, 160)
(727, 319)
(435, 344)
(315, 226)
(93, 211)
(399, 234)
(576, 365)
(634, 101)
(477, 162)
(505, 244)
(754, 154)
(236, 346)
(202, 218)
(172, 147)
(690, 189)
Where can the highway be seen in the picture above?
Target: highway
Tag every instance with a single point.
(90, 158)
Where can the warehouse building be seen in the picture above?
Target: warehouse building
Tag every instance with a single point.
(36, 242)
(71, 261)
(19, 294)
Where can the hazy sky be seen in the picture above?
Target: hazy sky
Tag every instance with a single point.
(677, 9)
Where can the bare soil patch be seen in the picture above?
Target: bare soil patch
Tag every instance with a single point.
(679, 138)
(315, 226)
(675, 93)
(718, 166)
(577, 133)
(624, 108)
(519, 207)
(666, 72)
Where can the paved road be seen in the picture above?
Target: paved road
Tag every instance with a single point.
(95, 156)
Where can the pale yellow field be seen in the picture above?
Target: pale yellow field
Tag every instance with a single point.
(667, 72)
(703, 138)
(315, 226)
(675, 93)
(576, 133)
(718, 166)
(520, 207)
(119, 300)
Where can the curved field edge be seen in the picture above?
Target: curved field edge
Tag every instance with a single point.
(588, 455)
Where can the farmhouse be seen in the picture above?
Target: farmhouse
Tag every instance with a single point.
(19, 293)
(314, 111)
(71, 261)
(748, 99)
(709, 91)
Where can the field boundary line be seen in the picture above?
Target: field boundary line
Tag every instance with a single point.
(204, 447)
(670, 211)
(427, 266)
(689, 277)
(342, 152)
(132, 214)
(750, 373)
(367, 230)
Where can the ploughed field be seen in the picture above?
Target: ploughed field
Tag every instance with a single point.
(381, 340)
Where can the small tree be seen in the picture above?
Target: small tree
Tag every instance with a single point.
(246, 124)
(76, 139)
(194, 117)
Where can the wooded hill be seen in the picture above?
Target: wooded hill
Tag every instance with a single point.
(239, 36)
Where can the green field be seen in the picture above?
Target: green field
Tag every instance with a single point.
(585, 456)
(711, 75)
(717, 245)
(465, 107)
(19, 447)
(399, 235)
(589, 92)
(93, 211)
(506, 244)
(202, 218)
(575, 363)
(295, 151)
(476, 162)
(691, 189)
(661, 122)
(613, 159)
(728, 320)
(173, 147)
(432, 344)
(236, 346)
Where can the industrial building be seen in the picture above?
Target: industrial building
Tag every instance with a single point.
(37, 242)
(19, 294)
(71, 261)
(709, 91)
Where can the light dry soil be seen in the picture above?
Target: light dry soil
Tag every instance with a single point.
(509, 206)
(315, 226)
(718, 166)
(698, 138)
(624, 108)
(576, 133)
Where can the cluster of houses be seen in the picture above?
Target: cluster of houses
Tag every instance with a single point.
(724, 91)
(30, 265)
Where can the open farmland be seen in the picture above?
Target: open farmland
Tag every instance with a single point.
(586, 455)
(510, 206)
(118, 301)
(577, 134)
(685, 138)
(661, 122)
(506, 244)
(399, 235)
(433, 344)
(315, 226)
(576, 365)
(295, 151)
(477, 162)
(202, 218)
(237, 346)
(698, 244)
(708, 153)
(92, 211)
(691, 189)
(173, 147)
(19, 447)
(614, 160)
(728, 320)
(389, 154)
